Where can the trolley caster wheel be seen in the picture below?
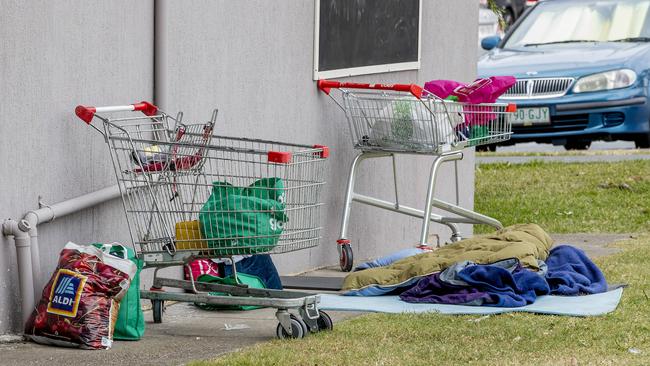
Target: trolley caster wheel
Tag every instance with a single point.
(298, 329)
(324, 321)
(157, 307)
(346, 258)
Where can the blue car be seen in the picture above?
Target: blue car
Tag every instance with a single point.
(582, 69)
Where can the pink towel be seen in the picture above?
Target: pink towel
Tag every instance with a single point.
(479, 91)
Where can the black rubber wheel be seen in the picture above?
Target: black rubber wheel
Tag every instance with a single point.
(157, 307)
(577, 145)
(346, 258)
(642, 142)
(486, 148)
(298, 329)
(305, 328)
(324, 321)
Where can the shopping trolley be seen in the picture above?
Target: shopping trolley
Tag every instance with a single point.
(386, 120)
(268, 202)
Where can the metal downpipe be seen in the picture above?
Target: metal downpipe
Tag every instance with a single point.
(20, 230)
(160, 59)
(25, 235)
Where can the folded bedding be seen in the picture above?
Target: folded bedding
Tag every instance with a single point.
(569, 272)
(528, 243)
(502, 284)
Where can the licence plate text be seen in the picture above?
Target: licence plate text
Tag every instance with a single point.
(531, 116)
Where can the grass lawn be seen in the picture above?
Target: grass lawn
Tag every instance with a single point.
(560, 197)
(567, 197)
(565, 153)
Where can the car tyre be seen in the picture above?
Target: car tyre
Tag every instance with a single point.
(643, 141)
(577, 145)
(487, 148)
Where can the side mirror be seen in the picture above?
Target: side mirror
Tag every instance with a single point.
(489, 43)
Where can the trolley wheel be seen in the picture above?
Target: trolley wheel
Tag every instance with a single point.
(346, 258)
(157, 306)
(298, 329)
(324, 321)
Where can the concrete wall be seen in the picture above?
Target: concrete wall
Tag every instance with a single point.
(53, 56)
(251, 59)
(254, 62)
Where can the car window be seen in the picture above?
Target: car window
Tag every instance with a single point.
(583, 21)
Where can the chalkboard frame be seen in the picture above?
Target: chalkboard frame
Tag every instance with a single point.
(362, 70)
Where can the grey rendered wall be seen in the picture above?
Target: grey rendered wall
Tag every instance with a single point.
(53, 56)
(253, 60)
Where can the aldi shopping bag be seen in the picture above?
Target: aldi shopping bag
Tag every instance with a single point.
(244, 220)
(79, 305)
(130, 319)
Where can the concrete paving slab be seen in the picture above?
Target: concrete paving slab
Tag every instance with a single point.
(594, 245)
(186, 334)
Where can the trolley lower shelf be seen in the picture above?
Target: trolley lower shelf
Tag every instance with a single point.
(308, 319)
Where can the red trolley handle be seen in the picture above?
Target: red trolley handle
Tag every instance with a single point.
(86, 114)
(326, 85)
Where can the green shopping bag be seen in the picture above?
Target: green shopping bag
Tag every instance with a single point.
(244, 220)
(246, 279)
(130, 319)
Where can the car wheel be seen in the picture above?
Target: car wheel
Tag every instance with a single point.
(643, 141)
(577, 145)
(487, 148)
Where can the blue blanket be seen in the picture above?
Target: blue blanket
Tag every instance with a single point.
(569, 272)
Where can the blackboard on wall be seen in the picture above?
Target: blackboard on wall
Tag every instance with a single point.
(354, 37)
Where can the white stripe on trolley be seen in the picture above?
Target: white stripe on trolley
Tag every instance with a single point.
(117, 108)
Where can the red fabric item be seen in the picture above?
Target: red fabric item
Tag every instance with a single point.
(200, 267)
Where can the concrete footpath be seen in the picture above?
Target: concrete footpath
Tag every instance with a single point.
(187, 333)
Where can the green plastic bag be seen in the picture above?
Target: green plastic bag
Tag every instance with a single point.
(244, 220)
(250, 280)
(130, 318)
(477, 133)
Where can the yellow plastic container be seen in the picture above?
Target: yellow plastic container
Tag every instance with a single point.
(188, 236)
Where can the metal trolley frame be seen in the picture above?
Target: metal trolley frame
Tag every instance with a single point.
(386, 120)
(166, 171)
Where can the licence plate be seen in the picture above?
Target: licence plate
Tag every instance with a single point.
(531, 116)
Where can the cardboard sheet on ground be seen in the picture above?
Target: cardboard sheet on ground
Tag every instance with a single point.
(588, 305)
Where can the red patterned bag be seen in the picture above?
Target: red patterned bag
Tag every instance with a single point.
(79, 305)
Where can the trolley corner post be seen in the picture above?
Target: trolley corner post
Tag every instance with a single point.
(443, 128)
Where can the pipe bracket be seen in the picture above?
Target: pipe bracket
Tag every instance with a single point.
(9, 227)
(42, 204)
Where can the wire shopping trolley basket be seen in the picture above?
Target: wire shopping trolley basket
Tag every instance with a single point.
(188, 193)
(385, 120)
